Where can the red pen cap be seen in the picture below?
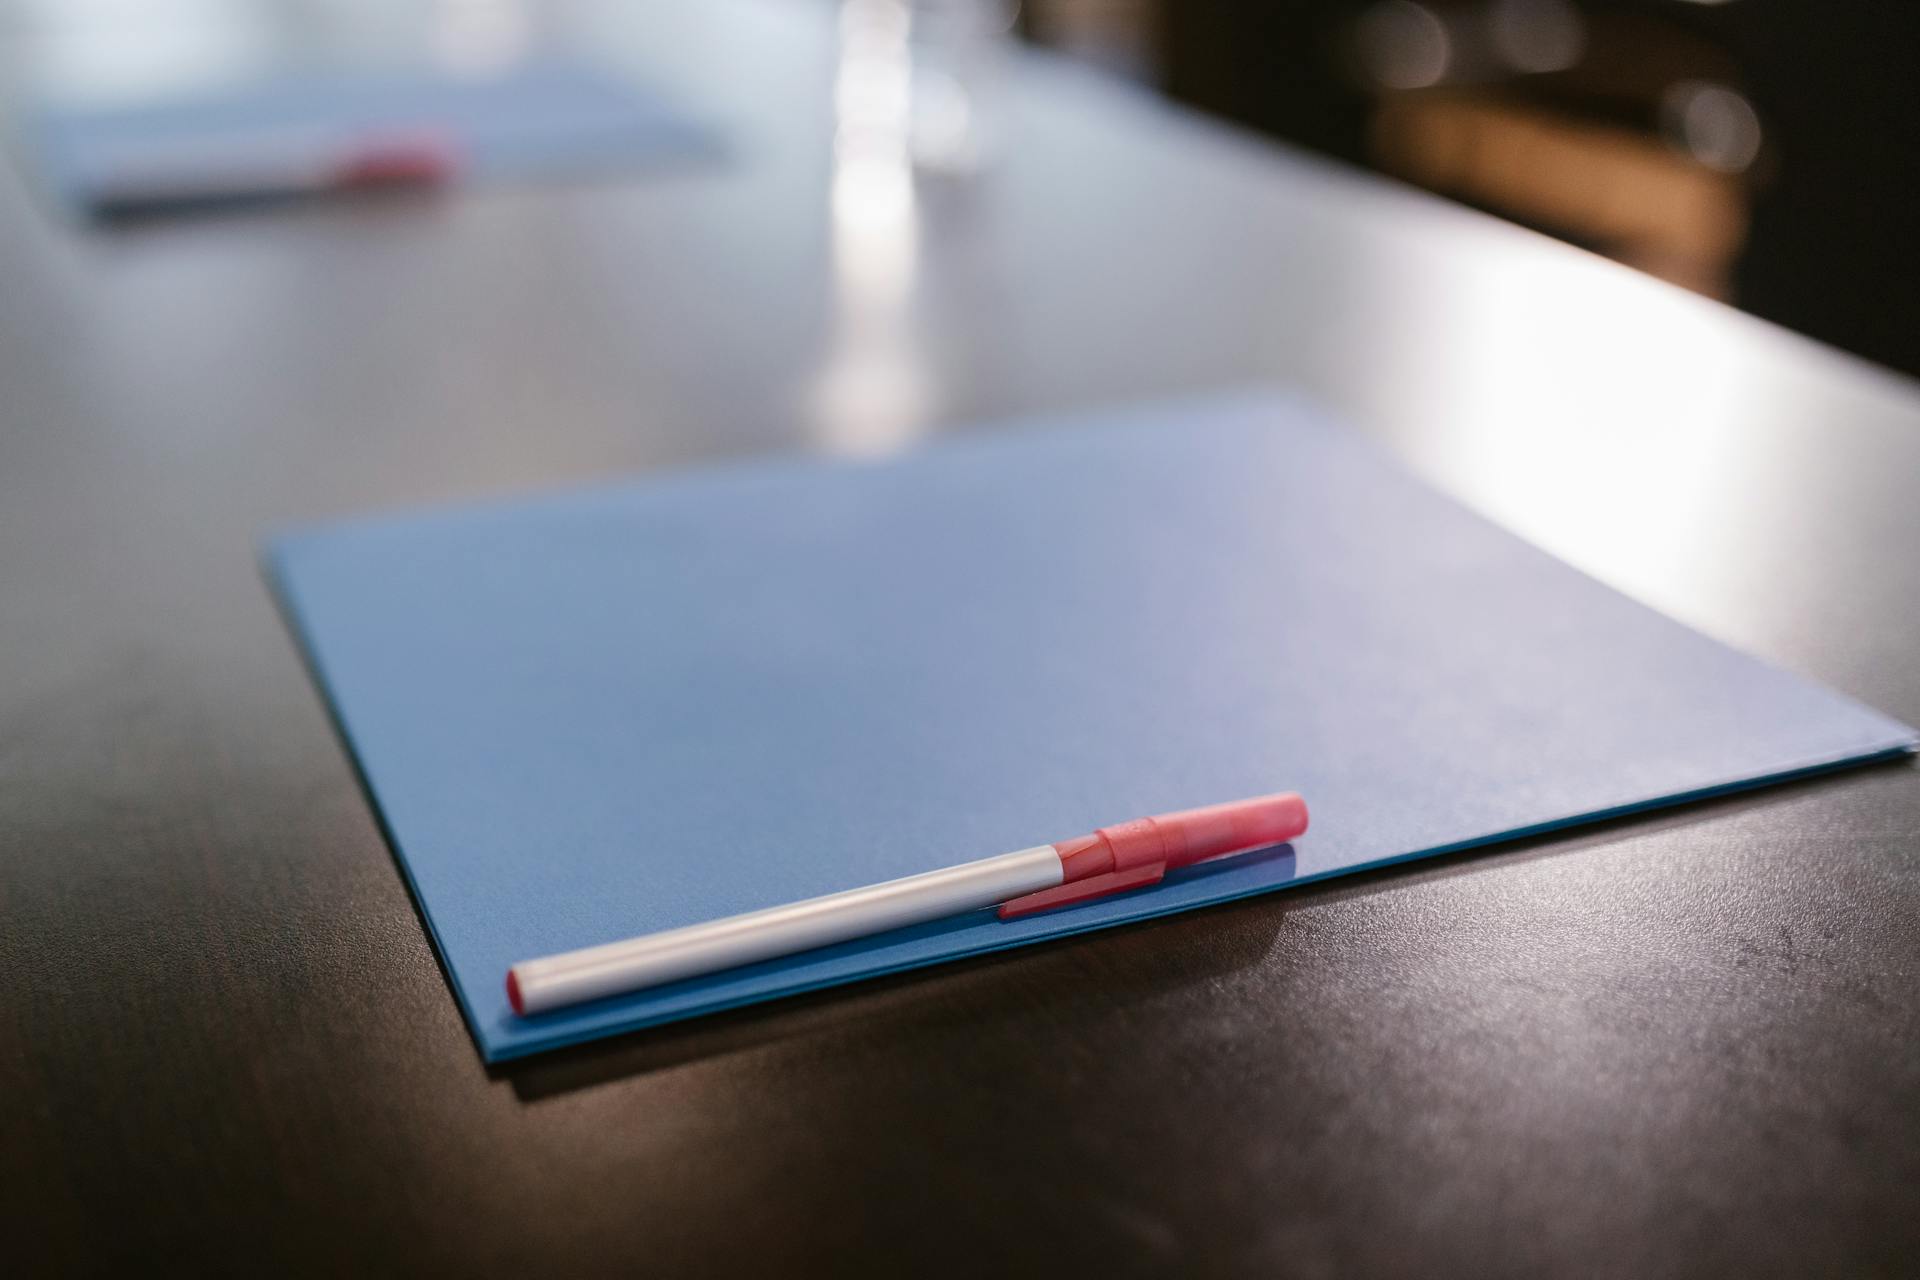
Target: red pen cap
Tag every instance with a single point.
(1181, 839)
(1138, 853)
(400, 158)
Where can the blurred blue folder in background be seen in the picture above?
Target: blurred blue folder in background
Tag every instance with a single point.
(543, 118)
(590, 716)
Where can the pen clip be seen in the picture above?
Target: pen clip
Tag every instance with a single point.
(1076, 891)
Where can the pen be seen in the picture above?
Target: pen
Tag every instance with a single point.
(1110, 860)
(271, 168)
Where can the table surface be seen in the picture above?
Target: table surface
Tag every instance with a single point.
(1667, 1045)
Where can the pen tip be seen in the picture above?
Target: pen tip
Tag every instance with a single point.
(513, 993)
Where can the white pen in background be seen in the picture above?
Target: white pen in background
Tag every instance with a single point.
(1110, 860)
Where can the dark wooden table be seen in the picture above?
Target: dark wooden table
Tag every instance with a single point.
(1683, 1044)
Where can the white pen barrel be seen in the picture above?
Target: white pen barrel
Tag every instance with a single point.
(554, 981)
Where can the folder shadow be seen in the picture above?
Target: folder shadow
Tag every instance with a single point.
(1239, 934)
(1136, 961)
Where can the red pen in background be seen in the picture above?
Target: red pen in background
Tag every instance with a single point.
(270, 166)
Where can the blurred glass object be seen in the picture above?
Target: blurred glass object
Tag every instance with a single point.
(1716, 125)
(872, 103)
(1536, 36)
(872, 395)
(1402, 45)
(957, 51)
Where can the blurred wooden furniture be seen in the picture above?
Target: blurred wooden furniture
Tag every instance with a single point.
(1632, 197)
(1757, 152)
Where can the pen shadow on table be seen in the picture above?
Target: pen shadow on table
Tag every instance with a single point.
(900, 1003)
(896, 1007)
(1139, 961)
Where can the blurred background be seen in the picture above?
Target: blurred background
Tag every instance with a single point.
(1755, 151)
(1760, 152)
(699, 230)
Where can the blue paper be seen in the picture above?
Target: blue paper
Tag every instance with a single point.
(596, 715)
(544, 117)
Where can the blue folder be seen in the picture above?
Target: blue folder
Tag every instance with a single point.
(549, 116)
(590, 716)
